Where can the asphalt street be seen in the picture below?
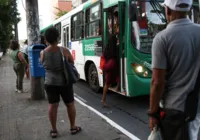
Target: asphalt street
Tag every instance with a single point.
(129, 113)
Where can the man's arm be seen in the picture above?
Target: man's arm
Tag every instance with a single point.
(159, 65)
(157, 89)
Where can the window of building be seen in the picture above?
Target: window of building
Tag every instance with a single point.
(93, 21)
(77, 28)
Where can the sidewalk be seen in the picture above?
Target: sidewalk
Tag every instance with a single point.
(24, 119)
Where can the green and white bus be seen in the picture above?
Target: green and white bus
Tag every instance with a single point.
(195, 14)
(85, 31)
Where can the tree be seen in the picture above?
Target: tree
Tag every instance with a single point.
(60, 12)
(9, 17)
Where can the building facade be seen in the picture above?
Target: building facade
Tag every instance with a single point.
(64, 5)
(76, 3)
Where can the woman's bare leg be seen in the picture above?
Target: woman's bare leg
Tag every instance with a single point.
(53, 115)
(105, 90)
(71, 110)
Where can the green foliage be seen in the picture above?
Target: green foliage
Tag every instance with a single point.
(60, 13)
(9, 16)
(4, 2)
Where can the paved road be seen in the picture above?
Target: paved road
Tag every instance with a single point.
(130, 113)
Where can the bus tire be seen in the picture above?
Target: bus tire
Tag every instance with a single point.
(93, 79)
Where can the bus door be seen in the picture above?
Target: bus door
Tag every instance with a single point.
(66, 37)
(117, 28)
(121, 7)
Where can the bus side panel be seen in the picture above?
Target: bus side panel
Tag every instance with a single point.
(91, 55)
(96, 61)
(79, 59)
(138, 86)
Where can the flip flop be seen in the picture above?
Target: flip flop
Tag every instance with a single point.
(53, 133)
(75, 130)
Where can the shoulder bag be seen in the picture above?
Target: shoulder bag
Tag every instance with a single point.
(70, 70)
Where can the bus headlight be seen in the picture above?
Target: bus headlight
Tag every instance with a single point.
(141, 70)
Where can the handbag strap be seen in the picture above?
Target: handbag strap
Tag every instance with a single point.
(62, 52)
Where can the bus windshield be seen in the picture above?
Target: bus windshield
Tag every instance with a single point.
(150, 20)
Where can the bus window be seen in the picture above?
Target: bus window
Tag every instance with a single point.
(150, 21)
(93, 17)
(77, 30)
(64, 36)
(58, 27)
(67, 34)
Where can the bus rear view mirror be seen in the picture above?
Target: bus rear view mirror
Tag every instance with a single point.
(133, 12)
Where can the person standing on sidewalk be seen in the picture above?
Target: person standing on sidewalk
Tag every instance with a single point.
(19, 64)
(55, 83)
(176, 64)
(25, 51)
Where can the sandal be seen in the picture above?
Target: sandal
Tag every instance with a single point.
(75, 130)
(53, 133)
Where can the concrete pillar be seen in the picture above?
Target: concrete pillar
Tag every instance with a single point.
(33, 32)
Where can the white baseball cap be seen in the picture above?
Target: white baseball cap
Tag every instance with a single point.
(174, 5)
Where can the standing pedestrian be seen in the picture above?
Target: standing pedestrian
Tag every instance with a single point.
(25, 51)
(175, 63)
(55, 82)
(19, 65)
(42, 41)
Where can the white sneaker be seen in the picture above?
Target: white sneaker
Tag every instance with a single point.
(19, 91)
(16, 90)
(22, 91)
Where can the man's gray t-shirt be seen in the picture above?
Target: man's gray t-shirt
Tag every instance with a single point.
(177, 50)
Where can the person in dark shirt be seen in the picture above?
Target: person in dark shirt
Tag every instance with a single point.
(43, 41)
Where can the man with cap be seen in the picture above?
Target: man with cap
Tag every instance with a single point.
(175, 64)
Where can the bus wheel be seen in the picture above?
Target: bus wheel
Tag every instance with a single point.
(93, 79)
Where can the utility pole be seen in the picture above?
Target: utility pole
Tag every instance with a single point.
(33, 32)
